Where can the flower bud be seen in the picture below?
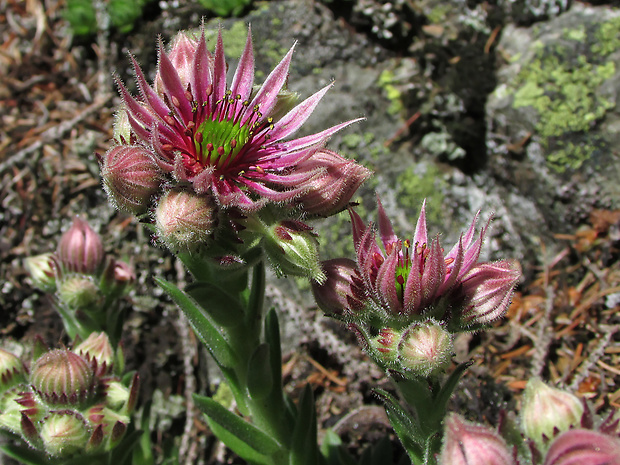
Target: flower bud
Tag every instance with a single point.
(185, 220)
(547, 411)
(384, 347)
(12, 371)
(181, 55)
(292, 249)
(130, 177)
(80, 248)
(64, 433)
(487, 290)
(97, 350)
(285, 102)
(583, 447)
(425, 349)
(117, 278)
(466, 443)
(336, 182)
(79, 292)
(62, 377)
(342, 292)
(42, 269)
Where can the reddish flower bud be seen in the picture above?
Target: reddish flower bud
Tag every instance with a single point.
(336, 181)
(97, 350)
(117, 278)
(583, 447)
(425, 349)
(130, 177)
(62, 377)
(487, 289)
(342, 291)
(547, 411)
(184, 219)
(80, 248)
(181, 57)
(384, 347)
(466, 443)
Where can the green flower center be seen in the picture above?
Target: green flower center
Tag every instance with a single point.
(219, 142)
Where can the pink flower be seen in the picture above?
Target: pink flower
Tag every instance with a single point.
(80, 248)
(583, 447)
(466, 443)
(223, 138)
(407, 276)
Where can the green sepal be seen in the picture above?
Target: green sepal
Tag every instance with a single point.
(224, 308)
(260, 379)
(202, 325)
(304, 450)
(405, 426)
(244, 439)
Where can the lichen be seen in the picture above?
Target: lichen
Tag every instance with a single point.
(413, 188)
(386, 82)
(562, 87)
(234, 37)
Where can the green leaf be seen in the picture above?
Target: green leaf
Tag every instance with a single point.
(224, 308)
(405, 426)
(448, 388)
(260, 380)
(241, 437)
(24, 454)
(201, 324)
(272, 337)
(304, 450)
(257, 295)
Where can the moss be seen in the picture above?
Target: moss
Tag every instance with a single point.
(562, 88)
(386, 82)
(234, 37)
(438, 14)
(607, 37)
(413, 188)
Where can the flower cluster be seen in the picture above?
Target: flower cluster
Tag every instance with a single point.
(555, 424)
(203, 155)
(85, 280)
(70, 401)
(406, 299)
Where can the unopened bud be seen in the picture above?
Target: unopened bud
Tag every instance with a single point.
(292, 249)
(80, 248)
(331, 190)
(130, 177)
(62, 377)
(547, 411)
(79, 292)
(97, 350)
(64, 433)
(286, 100)
(117, 278)
(342, 292)
(384, 347)
(425, 349)
(42, 269)
(467, 443)
(122, 127)
(12, 371)
(487, 289)
(583, 447)
(181, 55)
(185, 220)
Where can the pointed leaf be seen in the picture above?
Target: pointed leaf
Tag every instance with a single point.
(201, 324)
(304, 450)
(260, 380)
(224, 308)
(243, 438)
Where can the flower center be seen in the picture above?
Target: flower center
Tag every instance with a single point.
(219, 142)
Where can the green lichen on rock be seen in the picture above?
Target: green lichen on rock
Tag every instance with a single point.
(387, 81)
(562, 84)
(413, 187)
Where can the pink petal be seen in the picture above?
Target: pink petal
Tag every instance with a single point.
(385, 228)
(293, 120)
(219, 77)
(420, 236)
(315, 139)
(173, 85)
(244, 75)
